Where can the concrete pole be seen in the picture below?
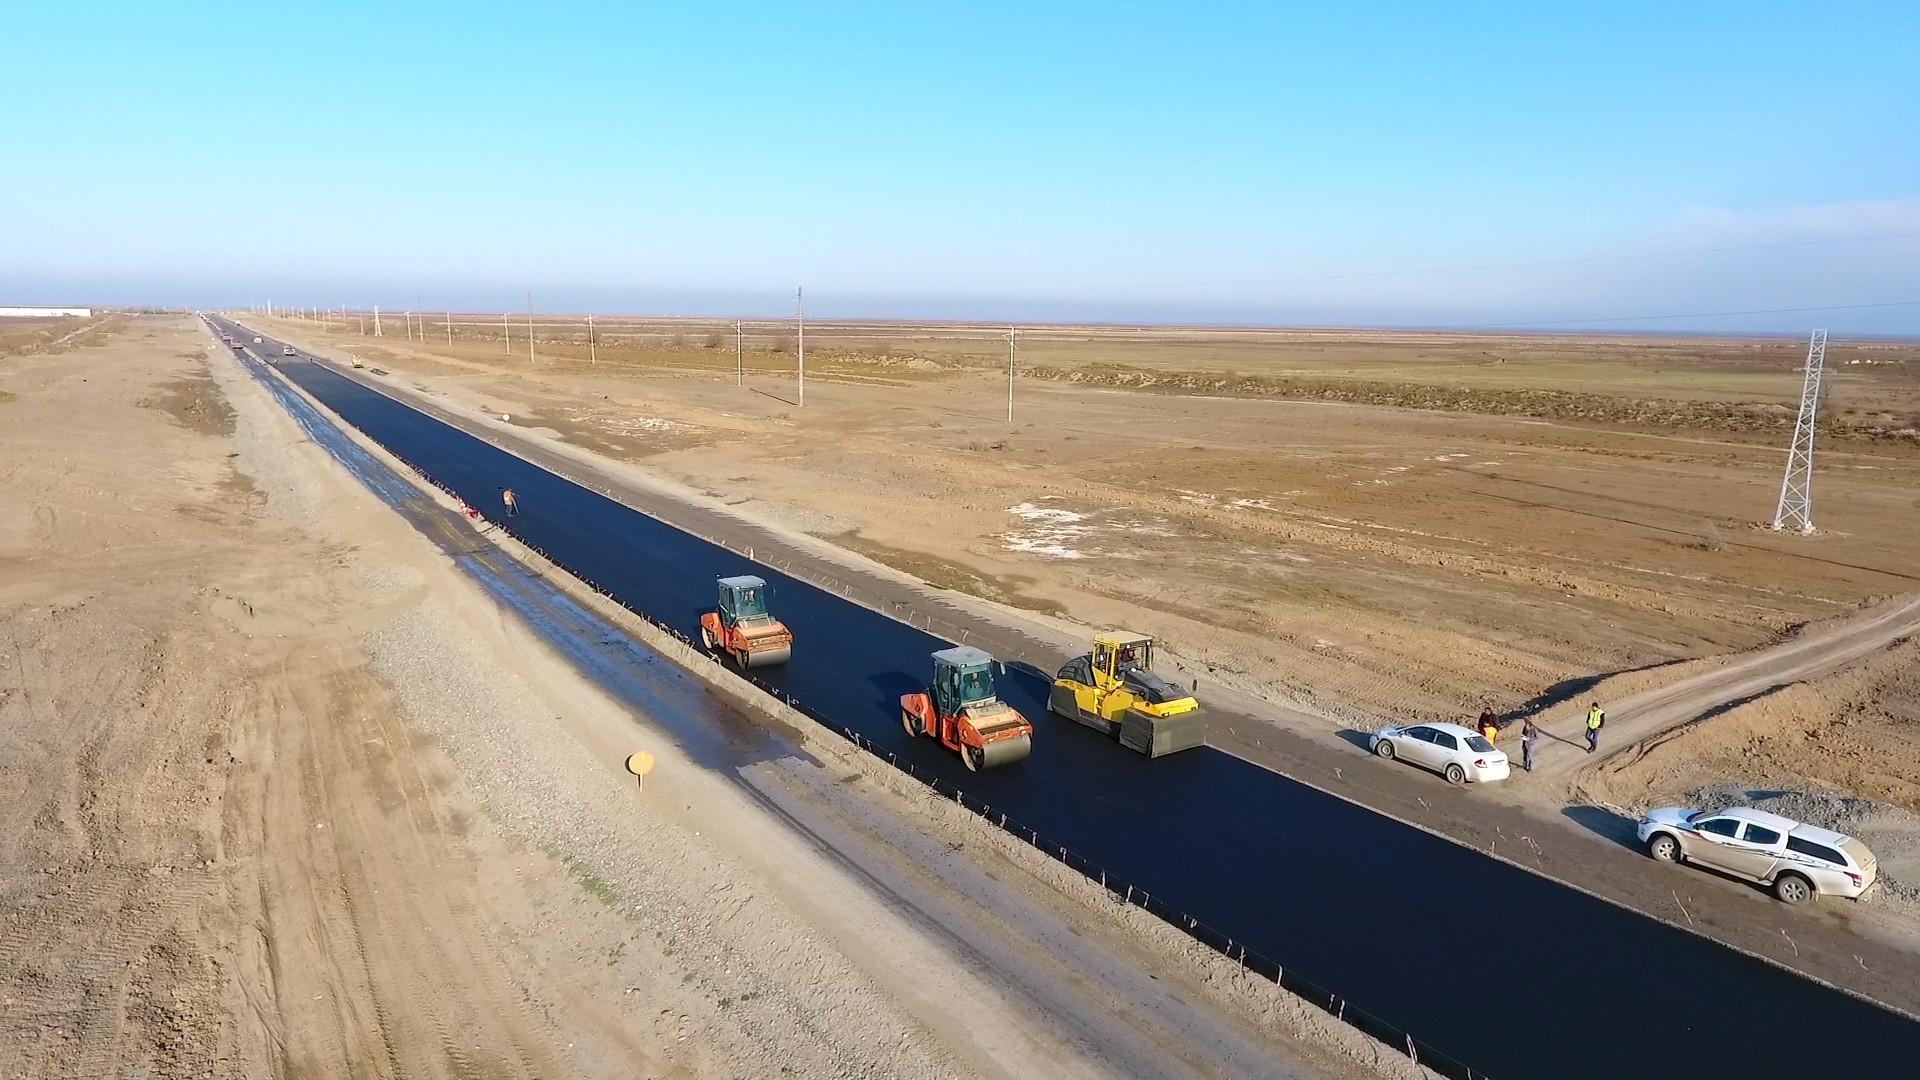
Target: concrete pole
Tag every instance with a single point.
(593, 353)
(800, 307)
(739, 362)
(1013, 346)
(529, 329)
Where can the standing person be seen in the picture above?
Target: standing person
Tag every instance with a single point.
(512, 504)
(1489, 724)
(1529, 735)
(1596, 719)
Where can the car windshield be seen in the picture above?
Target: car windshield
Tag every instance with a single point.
(1479, 745)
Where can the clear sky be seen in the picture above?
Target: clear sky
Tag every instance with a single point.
(1183, 161)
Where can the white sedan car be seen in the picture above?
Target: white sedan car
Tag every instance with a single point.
(1797, 861)
(1460, 754)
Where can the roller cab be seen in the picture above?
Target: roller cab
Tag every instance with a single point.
(1114, 689)
(965, 713)
(741, 627)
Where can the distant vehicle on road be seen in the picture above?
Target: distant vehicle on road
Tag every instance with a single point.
(287, 350)
(1796, 860)
(256, 341)
(1460, 754)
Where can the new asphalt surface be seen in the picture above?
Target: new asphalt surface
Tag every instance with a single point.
(1504, 970)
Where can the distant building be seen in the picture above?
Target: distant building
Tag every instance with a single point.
(44, 312)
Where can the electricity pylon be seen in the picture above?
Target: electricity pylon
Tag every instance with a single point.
(1796, 490)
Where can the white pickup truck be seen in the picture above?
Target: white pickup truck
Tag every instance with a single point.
(1797, 861)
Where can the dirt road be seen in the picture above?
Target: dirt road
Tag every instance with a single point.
(1637, 718)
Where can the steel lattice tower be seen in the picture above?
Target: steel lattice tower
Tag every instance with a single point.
(1796, 490)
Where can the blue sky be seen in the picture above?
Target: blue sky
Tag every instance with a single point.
(1207, 162)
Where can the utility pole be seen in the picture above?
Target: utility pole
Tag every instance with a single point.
(376, 320)
(739, 362)
(1796, 489)
(363, 324)
(449, 329)
(800, 308)
(593, 354)
(508, 329)
(1013, 346)
(529, 329)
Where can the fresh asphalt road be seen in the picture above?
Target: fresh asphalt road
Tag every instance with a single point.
(1507, 971)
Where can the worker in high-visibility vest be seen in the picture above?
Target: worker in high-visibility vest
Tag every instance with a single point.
(1596, 719)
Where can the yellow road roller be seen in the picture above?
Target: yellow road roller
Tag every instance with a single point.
(1114, 689)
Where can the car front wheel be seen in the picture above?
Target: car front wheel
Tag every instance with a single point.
(1664, 848)
(1793, 889)
(1384, 748)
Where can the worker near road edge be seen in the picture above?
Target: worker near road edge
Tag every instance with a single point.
(512, 504)
(1489, 724)
(1529, 735)
(1596, 719)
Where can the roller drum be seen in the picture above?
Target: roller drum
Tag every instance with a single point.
(768, 655)
(1006, 751)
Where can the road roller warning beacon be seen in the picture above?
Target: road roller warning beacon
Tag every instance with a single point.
(742, 629)
(962, 711)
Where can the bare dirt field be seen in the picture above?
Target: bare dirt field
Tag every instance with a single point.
(281, 793)
(26, 335)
